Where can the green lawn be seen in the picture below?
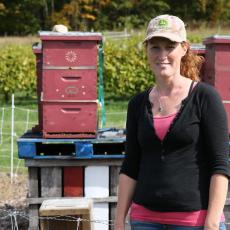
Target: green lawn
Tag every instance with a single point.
(26, 116)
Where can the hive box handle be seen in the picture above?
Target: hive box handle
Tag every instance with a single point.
(71, 78)
(71, 110)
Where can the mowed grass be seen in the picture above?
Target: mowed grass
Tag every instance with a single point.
(26, 117)
(199, 33)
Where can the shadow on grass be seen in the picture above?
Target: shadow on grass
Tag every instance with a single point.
(19, 100)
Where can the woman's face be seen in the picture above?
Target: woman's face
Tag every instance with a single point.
(164, 56)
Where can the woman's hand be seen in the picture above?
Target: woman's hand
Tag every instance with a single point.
(217, 196)
(125, 194)
(210, 225)
(119, 225)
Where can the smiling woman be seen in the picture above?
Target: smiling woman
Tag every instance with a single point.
(165, 56)
(175, 173)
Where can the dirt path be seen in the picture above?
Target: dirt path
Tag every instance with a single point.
(13, 197)
(13, 194)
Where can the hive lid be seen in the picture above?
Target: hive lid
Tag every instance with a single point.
(37, 47)
(63, 206)
(223, 39)
(198, 48)
(72, 35)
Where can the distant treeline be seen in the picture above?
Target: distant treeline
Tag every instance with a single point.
(23, 17)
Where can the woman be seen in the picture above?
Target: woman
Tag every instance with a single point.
(175, 173)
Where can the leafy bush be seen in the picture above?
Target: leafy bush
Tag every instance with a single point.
(126, 68)
(193, 38)
(17, 70)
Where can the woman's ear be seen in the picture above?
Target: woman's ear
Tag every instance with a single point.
(185, 46)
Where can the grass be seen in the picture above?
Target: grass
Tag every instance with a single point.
(197, 34)
(22, 114)
(26, 116)
(29, 40)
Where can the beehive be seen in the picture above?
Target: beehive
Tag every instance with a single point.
(67, 84)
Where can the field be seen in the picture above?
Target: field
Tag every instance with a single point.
(194, 34)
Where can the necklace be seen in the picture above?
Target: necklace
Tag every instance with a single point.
(160, 108)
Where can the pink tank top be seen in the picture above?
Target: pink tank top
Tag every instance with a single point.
(138, 212)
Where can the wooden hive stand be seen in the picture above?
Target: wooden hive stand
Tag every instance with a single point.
(62, 214)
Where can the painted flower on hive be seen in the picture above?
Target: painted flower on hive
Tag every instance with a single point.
(71, 56)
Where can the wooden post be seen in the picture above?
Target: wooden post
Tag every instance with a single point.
(73, 181)
(51, 182)
(113, 185)
(33, 192)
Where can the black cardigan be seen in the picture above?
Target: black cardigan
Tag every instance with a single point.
(174, 174)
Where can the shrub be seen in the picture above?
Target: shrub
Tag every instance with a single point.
(126, 69)
(17, 70)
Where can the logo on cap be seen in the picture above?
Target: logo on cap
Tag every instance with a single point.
(163, 23)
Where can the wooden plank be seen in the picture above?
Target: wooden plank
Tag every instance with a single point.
(113, 187)
(96, 181)
(97, 185)
(73, 181)
(101, 214)
(113, 180)
(71, 162)
(64, 206)
(39, 200)
(51, 182)
(33, 182)
(33, 217)
(227, 214)
(227, 201)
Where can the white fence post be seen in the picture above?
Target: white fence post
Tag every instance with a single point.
(1, 128)
(12, 140)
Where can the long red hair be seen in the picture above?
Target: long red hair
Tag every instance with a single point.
(191, 64)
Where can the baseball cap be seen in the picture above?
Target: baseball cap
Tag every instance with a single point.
(167, 26)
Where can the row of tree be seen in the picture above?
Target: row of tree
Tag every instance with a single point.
(22, 17)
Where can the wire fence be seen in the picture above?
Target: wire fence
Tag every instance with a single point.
(14, 217)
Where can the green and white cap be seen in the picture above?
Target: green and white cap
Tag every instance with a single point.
(167, 26)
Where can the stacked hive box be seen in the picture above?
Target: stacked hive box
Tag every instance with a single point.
(37, 49)
(199, 50)
(68, 85)
(217, 71)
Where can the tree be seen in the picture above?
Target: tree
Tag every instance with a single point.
(20, 17)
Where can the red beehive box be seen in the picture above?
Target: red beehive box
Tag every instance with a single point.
(217, 71)
(199, 50)
(37, 50)
(69, 84)
(73, 49)
(69, 119)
